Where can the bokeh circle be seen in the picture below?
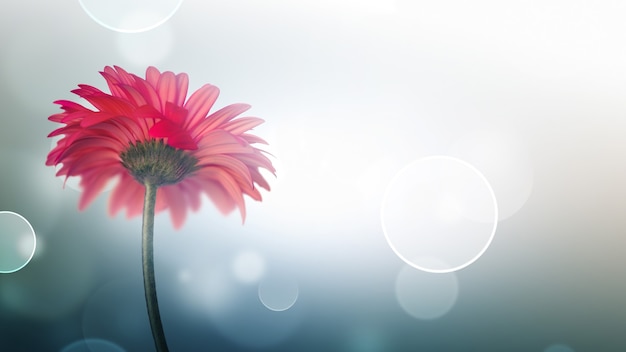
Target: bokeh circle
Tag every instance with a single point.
(278, 292)
(92, 345)
(130, 16)
(434, 214)
(17, 242)
(426, 296)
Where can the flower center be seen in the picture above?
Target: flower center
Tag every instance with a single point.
(157, 163)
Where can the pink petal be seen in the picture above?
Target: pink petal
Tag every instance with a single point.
(153, 75)
(175, 113)
(122, 76)
(228, 183)
(199, 104)
(217, 118)
(176, 204)
(182, 82)
(134, 203)
(250, 138)
(166, 88)
(236, 167)
(162, 129)
(224, 203)
(92, 184)
(133, 95)
(149, 93)
(242, 125)
(182, 141)
(122, 192)
(147, 112)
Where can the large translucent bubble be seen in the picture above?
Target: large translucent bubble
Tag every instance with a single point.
(504, 159)
(439, 214)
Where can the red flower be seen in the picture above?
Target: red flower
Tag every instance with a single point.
(146, 130)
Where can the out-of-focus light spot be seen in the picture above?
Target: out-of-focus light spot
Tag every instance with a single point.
(92, 345)
(504, 160)
(278, 292)
(248, 267)
(250, 324)
(184, 276)
(439, 214)
(17, 242)
(130, 16)
(559, 348)
(146, 48)
(424, 295)
(212, 290)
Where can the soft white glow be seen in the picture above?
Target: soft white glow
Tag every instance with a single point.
(145, 49)
(248, 267)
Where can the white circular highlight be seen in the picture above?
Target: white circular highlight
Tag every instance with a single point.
(278, 293)
(130, 16)
(17, 242)
(426, 296)
(435, 211)
(92, 345)
(248, 267)
(559, 348)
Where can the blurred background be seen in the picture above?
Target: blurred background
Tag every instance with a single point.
(530, 96)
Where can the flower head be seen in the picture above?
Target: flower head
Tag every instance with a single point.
(147, 131)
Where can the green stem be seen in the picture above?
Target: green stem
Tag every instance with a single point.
(147, 252)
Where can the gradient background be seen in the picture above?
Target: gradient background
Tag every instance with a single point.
(351, 91)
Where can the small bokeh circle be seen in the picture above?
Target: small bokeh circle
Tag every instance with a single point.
(424, 295)
(92, 345)
(278, 292)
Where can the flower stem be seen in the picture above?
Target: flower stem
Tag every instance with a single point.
(147, 253)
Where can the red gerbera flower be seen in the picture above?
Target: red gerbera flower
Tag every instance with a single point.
(165, 151)
(146, 131)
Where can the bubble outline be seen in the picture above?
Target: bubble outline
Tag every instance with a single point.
(402, 171)
(121, 30)
(401, 276)
(87, 340)
(32, 254)
(295, 298)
